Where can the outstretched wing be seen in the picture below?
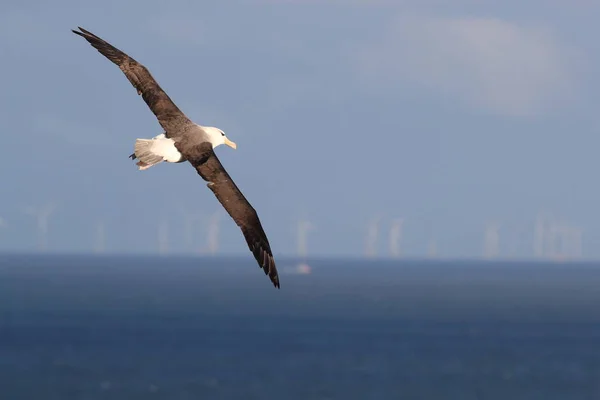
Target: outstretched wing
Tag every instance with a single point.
(208, 166)
(168, 114)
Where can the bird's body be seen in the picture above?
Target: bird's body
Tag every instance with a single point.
(160, 148)
(184, 140)
(150, 152)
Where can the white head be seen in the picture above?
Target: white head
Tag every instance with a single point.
(217, 137)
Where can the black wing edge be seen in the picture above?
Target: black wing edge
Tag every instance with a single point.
(108, 50)
(260, 248)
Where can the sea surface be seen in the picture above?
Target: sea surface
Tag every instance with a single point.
(107, 327)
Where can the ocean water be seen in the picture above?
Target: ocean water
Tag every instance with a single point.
(83, 327)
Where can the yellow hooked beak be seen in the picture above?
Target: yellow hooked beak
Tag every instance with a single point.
(230, 143)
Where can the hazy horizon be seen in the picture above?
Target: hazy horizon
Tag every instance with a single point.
(448, 117)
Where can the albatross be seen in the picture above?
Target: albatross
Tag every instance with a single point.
(185, 140)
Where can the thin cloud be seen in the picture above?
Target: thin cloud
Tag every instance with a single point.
(487, 63)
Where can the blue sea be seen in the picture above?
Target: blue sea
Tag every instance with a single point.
(108, 327)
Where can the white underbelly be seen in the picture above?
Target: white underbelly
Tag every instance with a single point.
(167, 150)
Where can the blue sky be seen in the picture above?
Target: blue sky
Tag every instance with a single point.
(446, 114)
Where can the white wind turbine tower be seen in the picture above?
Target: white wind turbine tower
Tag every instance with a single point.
(552, 238)
(570, 238)
(561, 233)
(491, 245)
(100, 244)
(556, 238)
(163, 236)
(42, 214)
(190, 220)
(577, 241)
(432, 249)
(539, 237)
(304, 226)
(558, 241)
(3, 224)
(371, 239)
(396, 237)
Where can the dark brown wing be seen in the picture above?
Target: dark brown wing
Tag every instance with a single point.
(168, 114)
(209, 167)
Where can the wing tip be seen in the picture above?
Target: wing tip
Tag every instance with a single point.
(267, 263)
(275, 280)
(272, 270)
(81, 32)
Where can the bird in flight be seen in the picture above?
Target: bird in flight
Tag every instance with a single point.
(184, 140)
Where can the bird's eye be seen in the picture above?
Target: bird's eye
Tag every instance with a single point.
(222, 133)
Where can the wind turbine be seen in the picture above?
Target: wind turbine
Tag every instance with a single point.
(539, 237)
(42, 214)
(577, 241)
(571, 238)
(190, 220)
(491, 241)
(371, 239)
(3, 224)
(432, 249)
(396, 236)
(304, 226)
